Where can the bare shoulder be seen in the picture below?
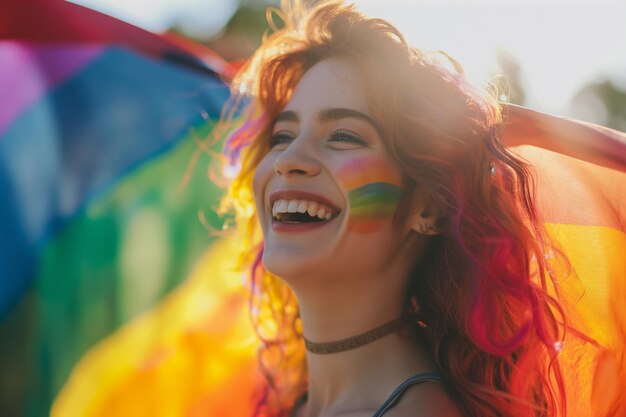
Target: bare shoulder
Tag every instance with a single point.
(426, 400)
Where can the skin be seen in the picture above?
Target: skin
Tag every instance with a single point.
(374, 190)
(347, 279)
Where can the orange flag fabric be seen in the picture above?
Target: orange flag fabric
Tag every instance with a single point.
(581, 193)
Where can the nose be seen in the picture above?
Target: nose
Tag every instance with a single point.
(297, 159)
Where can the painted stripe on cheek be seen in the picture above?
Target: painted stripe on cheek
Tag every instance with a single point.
(367, 170)
(374, 200)
(373, 188)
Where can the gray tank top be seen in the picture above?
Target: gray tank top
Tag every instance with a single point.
(395, 396)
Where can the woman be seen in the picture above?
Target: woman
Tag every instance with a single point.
(390, 229)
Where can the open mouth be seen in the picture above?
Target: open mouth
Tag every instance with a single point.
(302, 211)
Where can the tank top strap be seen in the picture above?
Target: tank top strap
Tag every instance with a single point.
(401, 389)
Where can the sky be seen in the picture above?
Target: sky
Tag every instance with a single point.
(560, 44)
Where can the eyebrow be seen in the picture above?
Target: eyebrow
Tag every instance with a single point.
(335, 113)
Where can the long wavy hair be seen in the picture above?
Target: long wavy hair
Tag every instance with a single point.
(479, 295)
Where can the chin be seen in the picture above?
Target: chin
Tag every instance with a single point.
(294, 257)
(291, 264)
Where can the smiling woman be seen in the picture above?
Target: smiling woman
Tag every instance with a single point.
(326, 154)
(388, 228)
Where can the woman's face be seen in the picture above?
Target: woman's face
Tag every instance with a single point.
(327, 190)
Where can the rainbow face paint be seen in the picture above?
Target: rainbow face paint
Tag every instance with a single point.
(373, 189)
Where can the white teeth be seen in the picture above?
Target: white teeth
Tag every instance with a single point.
(282, 206)
(313, 208)
(293, 206)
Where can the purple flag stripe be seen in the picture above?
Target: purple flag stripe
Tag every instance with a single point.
(29, 71)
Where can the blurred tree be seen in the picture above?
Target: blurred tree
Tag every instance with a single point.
(602, 102)
(508, 79)
(242, 34)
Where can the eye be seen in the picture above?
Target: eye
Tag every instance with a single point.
(347, 137)
(280, 138)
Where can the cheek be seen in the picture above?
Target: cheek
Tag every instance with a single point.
(373, 190)
(371, 205)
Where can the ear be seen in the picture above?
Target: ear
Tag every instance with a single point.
(424, 222)
(424, 215)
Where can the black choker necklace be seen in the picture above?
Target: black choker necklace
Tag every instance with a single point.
(354, 341)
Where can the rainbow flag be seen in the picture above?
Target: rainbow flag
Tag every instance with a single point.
(105, 209)
(118, 296)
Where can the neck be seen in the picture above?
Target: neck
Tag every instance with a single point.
(343, 381)
(362, 378)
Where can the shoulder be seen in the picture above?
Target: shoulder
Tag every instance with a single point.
(427, 399)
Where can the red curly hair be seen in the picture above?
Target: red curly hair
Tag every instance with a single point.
(479, 295)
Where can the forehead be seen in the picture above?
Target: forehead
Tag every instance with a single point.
(334, 82)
